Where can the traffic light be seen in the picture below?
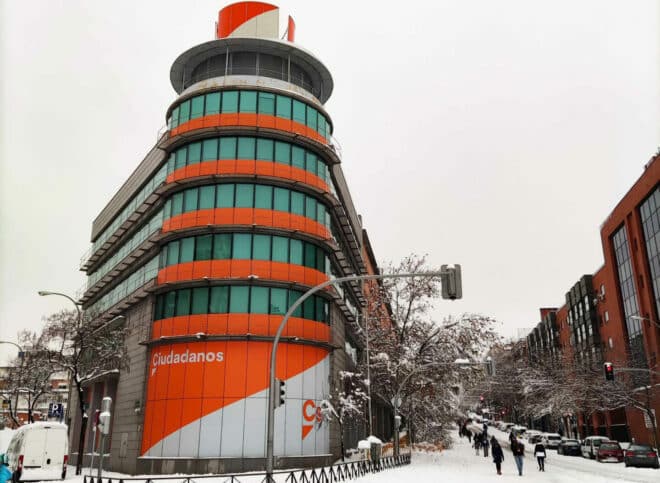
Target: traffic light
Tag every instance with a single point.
(280, 392)
(609, 371)
(452, 288)
(481, 398)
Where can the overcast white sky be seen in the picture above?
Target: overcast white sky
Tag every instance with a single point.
(495, 134)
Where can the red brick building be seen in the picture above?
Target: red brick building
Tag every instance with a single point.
(614, 314)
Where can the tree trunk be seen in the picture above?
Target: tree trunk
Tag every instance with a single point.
(341, 439)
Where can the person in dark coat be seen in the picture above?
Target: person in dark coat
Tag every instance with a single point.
(498, 454)
(518, 450)
(539, 452)
(477, 443)
(485, 444)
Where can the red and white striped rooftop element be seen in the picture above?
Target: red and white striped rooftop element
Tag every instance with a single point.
(252, 19)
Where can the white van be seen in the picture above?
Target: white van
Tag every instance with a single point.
(38, 451)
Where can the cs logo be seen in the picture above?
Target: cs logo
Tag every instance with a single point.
(311, 413)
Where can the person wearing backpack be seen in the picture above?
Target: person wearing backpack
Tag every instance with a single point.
(539, 452)
(498, 454)
(518, 450)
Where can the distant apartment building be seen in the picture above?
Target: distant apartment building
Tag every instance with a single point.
(614, 314)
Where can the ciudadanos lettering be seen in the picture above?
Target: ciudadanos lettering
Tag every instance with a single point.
(187, 357)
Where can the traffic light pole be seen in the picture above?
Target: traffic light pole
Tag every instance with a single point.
(273, 356)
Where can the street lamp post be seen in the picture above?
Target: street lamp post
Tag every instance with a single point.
(273, 356)
(83, 425)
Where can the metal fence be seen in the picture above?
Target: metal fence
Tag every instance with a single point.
(328, 474)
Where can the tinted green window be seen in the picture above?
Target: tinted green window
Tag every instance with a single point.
(180, 158)
(174, 120)
(238, 300)
(261, 249)
(246, 148)
(321, 170)
(296, 252)
(190, 200)
(278, 301)
(203, 246)
(170, 304)
(309, 308)
(171, 163)
(184, 112)
(311, 117)
(259, 300)
(242, 246)
(310, 162)
(182, 302)
(282, 152)
(298, 157)
(194, 153)
(229, 102)
(173, 253)
(206, 197)
(310, 207)
(265, 149)
(320, 260)
(310, 255)
(263, 197)
(281, 199)
(228, 148)
(299, 111)
(177, 204)
(280, 249)
(222, 247)
(210, 149)
(244, 195)
(224, 196)
(197, 107)
(158, 312)
(248, 101)
(219, 300)
(297, 203)
(322, 125)
(283, 107)
(293, 296)
(200, 301)
(187, 250)
(213, 103)
(167, 210)
(266, 103)
(321, 310)
(320, 213)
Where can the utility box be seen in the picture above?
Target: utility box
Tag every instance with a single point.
(375, 452)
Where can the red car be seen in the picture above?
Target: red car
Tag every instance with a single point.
(609, 451)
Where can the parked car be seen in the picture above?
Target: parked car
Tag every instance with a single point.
(518, 431)
(569, 447)
(535, 438)
(589, 447)
(550, 440)
(38, 451)
(641, 455)
(609, 452)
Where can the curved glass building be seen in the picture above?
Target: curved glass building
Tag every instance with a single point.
(239, 208)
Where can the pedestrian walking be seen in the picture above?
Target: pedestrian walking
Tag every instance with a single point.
(498, 455)
(477, 443)
(485, 444)
(539, 452)
(518, 450)
(5, 472)
(469, 435)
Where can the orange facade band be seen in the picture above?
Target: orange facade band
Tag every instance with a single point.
(239, 324)
(246, 216)
(249, 167)
(264, 269)
(249, 120)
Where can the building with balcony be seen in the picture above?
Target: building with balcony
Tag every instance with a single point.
(239, 208)
(614, 314)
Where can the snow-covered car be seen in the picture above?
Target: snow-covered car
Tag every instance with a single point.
(589, 446)
(609, 452)
(569, 447)
(551, 440)
(530, 433)
(518, 431)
